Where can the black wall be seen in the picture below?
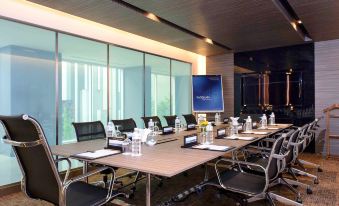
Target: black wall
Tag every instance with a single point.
(296, 60)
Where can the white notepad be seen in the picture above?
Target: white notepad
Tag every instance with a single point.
(261, 133)
(272, 128)
(97, 154)
(241, 138)
(211, 147)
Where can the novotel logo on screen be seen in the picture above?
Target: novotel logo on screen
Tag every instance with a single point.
(204, 98)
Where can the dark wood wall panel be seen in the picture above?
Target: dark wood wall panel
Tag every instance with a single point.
(224, 65)
(327, 82)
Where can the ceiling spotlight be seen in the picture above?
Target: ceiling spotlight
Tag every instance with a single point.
(152, 17)
(299, 22)
(208, 40)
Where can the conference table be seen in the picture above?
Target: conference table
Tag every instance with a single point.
(166, 159)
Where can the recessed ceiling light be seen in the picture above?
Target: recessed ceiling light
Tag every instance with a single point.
(152, 17)
(208, 40)
(299, 22)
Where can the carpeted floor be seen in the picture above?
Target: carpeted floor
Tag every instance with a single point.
(325, 193)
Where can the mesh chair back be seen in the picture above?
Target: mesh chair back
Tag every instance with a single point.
(89, 130)
(127, 125)
(154, 119)
(302, 136)
(190, 119)
(272, 167)
(293, 138)
(40, 176)
(170, 120)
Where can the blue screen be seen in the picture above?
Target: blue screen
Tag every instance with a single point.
(207, 93)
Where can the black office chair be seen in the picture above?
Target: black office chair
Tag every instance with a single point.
(41, 178)
(89, 130)
(309, 136)
(249, 185)
(170, 120)
(155, 119)
(190, 119)
(86, 131)
(126, 125)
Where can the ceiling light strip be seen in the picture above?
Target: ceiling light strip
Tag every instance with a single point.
(164, 21)
(288, 12)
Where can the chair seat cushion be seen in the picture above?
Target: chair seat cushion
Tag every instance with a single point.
(242, 182)
(82, 194)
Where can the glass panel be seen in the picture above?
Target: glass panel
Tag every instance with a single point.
(157, 86)
(181, 88)
(27, 84)
(83, 84)
(126, 84)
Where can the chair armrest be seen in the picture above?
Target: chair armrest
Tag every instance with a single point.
(93, 172)
(22, 144)
(68, 169)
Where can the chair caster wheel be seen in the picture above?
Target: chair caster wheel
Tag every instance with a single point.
(316, 181)
(299, 200)
(309, 191)
(320, 170)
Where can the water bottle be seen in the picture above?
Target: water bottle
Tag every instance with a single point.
(264, 121)
(110, 130)
(151, 125)
(217, 118)
(177, 124)
(126, 146)
(272, 119)
(136, 143)
(209, 134)
(248, 124)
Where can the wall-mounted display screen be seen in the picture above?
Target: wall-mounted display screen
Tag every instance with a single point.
(207, 93)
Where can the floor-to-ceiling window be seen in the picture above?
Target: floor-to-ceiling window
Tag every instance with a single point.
(138, 84)
(27, 84)
(157, 86)
(82, 83)
(181, 88)
(126, 84)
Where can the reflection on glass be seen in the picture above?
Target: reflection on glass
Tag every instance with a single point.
(83, 84)
(27, 84)
(157, 86)
(126, 84)
(181, 88)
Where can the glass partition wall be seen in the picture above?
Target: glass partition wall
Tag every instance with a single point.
(59, 79)
(27, 84)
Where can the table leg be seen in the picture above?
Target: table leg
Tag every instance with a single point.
(84, 170)
(206, 173)
(148, 189)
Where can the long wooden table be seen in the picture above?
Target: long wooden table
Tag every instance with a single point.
(166, 159)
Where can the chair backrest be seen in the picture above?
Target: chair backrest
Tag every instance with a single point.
(302, 136)
(40, 175)
(126, 125)
(89, 130)
(190, 119)
(273, 163)
(292, 137)
(154, 119)
(170, 120)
